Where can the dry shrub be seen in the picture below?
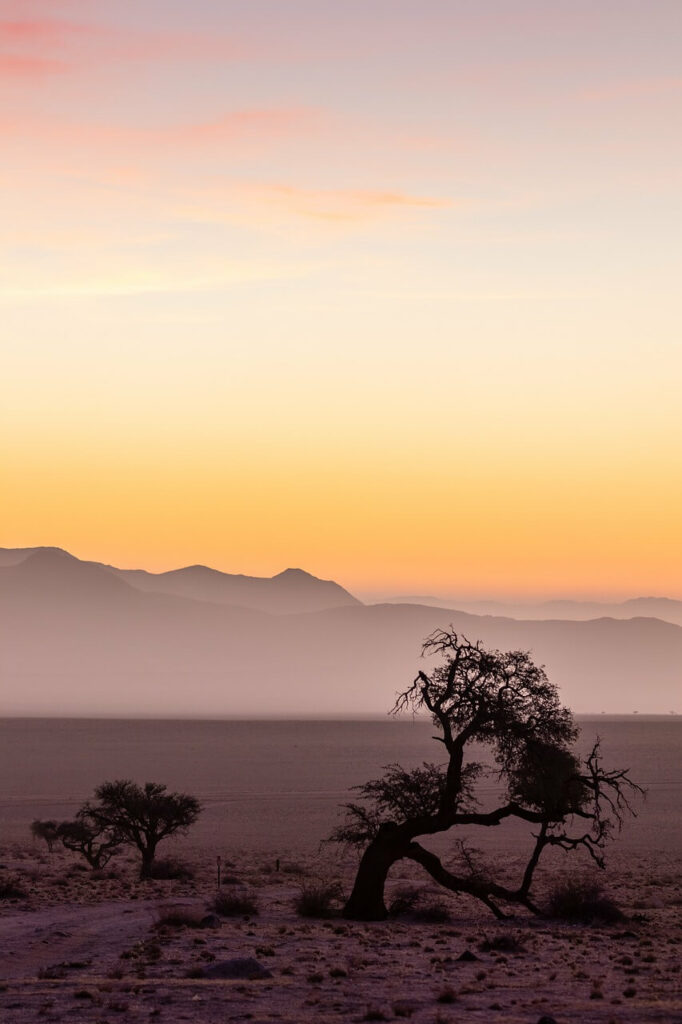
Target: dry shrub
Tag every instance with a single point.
(432, 912)
(503, 942)
(235, 904)
(11, 889)
(405, 900)
(318, 899)
(293, 869)
(168, 868)
(178, 917)
(419, 905)
(582, 900)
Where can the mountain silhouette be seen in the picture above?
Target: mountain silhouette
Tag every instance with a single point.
(665, 608)
(290, 591)
(78, 638)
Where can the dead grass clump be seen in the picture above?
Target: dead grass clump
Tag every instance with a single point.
(293, 869)
(318, 899)
(101, 875)
(178, 917)
(11, 889)
(503, 942)
(404, 901)
(582, 900)
(418, 905)
(170, 869)
(235, 904)
(432, 912)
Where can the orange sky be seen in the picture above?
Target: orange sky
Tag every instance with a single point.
(388, 291)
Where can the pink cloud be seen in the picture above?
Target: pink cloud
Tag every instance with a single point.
(246, 127)
(12, 65)
(43, 44)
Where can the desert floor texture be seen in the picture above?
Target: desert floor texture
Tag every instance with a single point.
(105, 948)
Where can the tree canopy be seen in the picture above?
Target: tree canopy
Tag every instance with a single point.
(142, 816)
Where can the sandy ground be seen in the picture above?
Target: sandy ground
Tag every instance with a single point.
(95, 949)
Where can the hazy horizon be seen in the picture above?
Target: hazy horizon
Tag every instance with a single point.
(377, 593)
(86, 638)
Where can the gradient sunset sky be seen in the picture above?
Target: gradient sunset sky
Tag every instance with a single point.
(388, 290)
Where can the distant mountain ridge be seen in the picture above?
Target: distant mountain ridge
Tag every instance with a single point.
(291, 591)
(667, 609)
(81, 638)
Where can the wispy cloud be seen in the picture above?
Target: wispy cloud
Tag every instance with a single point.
(43, 45)
(341, 204)
(268, 204)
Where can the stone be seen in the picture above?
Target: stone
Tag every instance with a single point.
(243, 968)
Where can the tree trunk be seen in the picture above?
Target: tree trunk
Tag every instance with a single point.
(147, 862)
(366, 902)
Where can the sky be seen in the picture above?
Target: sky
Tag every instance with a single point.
(384, 289)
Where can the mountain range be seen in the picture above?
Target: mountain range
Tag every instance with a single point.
(665, 608)
(84, 638)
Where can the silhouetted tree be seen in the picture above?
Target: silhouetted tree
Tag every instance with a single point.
(142, 816)
(94, 840)
(506, 702)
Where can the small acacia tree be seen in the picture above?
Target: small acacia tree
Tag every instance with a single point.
(46, 830)
(506, 702)
(142, 816)
(95, 841)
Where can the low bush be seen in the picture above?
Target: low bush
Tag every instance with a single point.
(582, 900)
(504, 942)
(419, 905)
(432, 913)
(235, 904)
(178, 917)
(318, 899)
(404, 901)
(10, 889)
(167, 868)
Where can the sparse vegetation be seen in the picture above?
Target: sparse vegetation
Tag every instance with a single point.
(447, 995)
(235, 904)
(418, 904)
(178, 917)
(404, 900)
(170, 869)
(11, 889)
(45, 830)
(432, 912)
(318, 899)
(582, 900)
(503, 942)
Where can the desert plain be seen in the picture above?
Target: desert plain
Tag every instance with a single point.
(102, 947)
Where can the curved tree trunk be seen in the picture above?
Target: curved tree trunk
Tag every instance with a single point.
(366, 901)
